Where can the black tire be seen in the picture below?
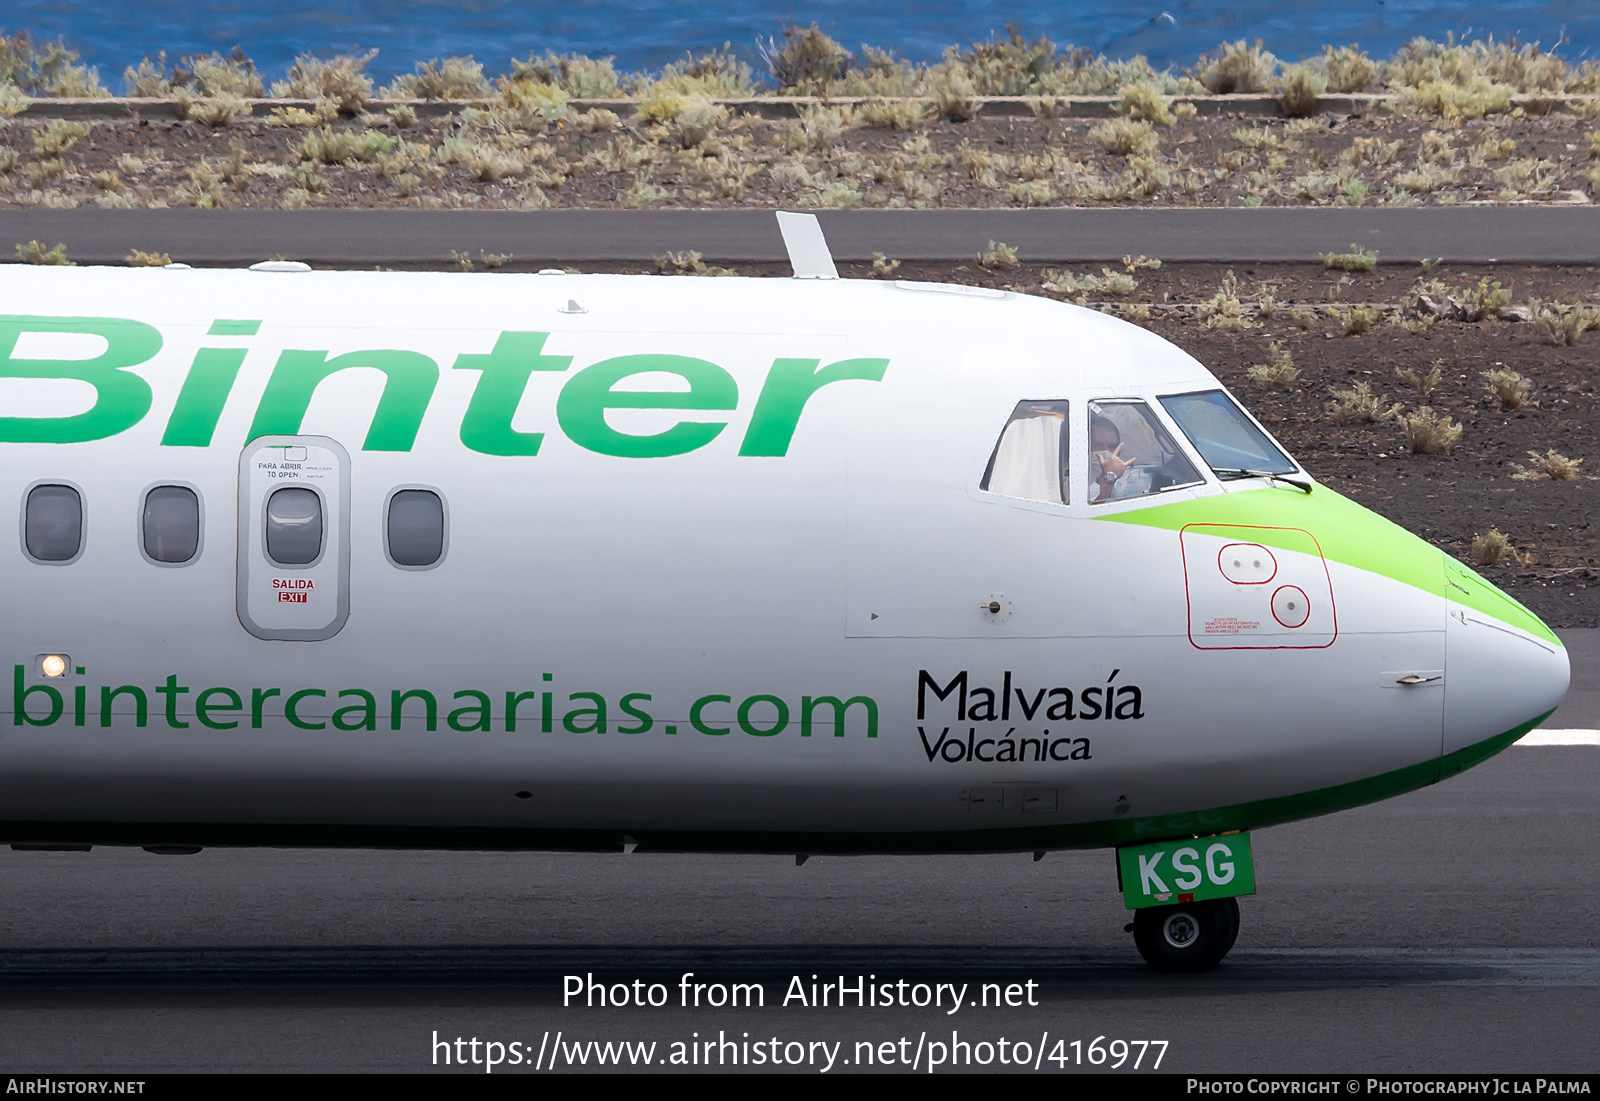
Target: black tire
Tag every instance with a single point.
(1191, 936)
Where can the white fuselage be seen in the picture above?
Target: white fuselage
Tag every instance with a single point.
(679, 633)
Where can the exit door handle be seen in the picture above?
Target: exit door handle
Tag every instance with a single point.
(1413, 678)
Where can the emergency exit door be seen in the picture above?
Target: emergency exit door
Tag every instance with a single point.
(294, 537)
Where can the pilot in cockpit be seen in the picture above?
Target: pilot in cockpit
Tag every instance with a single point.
(1112, 474)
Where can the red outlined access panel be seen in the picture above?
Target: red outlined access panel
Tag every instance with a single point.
(1244, 596)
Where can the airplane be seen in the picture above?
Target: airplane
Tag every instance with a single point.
(631, 563)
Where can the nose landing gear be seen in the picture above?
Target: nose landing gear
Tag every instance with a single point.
(1191, 936)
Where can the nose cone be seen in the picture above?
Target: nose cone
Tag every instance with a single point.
(1504, 668)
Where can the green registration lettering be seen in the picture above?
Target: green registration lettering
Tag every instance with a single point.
(1186, 870)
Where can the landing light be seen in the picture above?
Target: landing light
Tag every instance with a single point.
(54, 665)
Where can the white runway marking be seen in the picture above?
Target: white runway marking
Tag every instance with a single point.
(1561, 737)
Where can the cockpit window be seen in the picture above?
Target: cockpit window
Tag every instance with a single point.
(1226, 438)
(1030, 458)
(1131, 454)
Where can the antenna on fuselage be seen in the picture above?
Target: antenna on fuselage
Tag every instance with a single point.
(808, 249)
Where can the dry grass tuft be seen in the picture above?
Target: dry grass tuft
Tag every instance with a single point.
(1507, 387)
(1359, 405)
(1302, 84)
(138, 258)
(1430, 433)
(57, 136)
(807, 60)
(34, 252)
(1491, 548)
(999, 256)
(1551, 466)
(339, 80)
(1562, 323)
(1237, 67)
(1143, 99)
(1349, 68)
(1125, 137)
(688, 263)
(1358, 319)
(1357, 259)
(1223, 310)
(1423, 382)
(1277, 373)
(891, 114)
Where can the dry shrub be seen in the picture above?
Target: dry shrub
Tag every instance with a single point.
(1349, 68)
(1357, 259)
(452, 78)
(1277, 373)
(1507, 387)
(339, 80)
(1491, 548)
(1423, 382)
(1223, 310)
(34, 252)
(1302, 84)
(1562, 323)
(954, 95)
(806, 59)
(891, 114)
(1430, 433)
(1358, 320)
(1237, 67)
(579, 76)
(1359, 405)
(1552, 466)
(1126, 136)
(999, 256)
(1143, 99)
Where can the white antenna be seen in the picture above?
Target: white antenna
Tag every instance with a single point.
(808, 249)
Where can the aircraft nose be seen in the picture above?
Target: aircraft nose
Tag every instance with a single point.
(1504, 669)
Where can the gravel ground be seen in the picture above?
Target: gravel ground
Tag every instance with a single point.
(1380, 158)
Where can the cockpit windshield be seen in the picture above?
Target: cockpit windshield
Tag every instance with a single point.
(1227, 439)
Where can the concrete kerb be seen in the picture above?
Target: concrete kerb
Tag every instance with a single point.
(787, 107)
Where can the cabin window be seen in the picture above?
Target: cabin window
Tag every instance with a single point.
(294, 526)
(171, 524)
(1131, 454)
(53, 523)
(415, 527)
(1030, 458)
(1227, 440)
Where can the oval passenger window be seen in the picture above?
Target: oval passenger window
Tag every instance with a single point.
(294, 526)
(416, 527)
(171, 523)
(53, 523)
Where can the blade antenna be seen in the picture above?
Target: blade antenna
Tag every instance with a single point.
(808, 249)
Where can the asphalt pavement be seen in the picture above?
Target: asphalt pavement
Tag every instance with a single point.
(1545, 233)
(1451, 929)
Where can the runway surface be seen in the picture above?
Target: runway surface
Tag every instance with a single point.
(1453, 929)
(1564, 234)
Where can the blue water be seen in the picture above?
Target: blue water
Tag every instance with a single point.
(649, 33)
